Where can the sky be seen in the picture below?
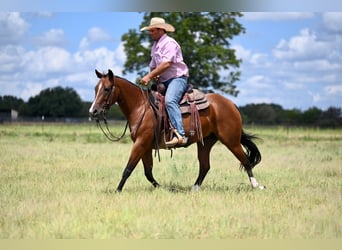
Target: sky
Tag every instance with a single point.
(293, 59)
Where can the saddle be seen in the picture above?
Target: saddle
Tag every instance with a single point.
(191, 103)
(193, 99)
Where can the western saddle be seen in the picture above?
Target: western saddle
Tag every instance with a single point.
(192, 101)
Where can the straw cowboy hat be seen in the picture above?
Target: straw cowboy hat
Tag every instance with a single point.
(158, 22)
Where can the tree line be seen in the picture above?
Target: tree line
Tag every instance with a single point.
(58, 102)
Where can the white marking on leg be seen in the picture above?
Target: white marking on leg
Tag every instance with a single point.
(195, 188)
(254, 183)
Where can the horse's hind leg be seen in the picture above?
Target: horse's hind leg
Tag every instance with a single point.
(203, 155)
(239, 153)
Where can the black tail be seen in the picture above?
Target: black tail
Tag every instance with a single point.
(252, 151)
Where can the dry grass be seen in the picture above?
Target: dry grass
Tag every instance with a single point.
(58, 182)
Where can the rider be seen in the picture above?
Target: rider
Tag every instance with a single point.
(167, 66)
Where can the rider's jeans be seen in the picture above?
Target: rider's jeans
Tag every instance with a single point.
(175, 90)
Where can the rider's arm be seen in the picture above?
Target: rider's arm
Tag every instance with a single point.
(155, 72)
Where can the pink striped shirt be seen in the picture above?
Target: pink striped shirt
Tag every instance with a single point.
(166, 49)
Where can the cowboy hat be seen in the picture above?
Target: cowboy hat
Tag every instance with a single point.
(158, 22)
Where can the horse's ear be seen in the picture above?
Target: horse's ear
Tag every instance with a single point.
(98, 74)
(110, 74)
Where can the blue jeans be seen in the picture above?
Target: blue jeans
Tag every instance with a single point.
(175, 89)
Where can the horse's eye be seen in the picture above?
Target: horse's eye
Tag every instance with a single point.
(106, 90)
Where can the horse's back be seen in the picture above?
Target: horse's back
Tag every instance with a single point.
(223, 107)
(221, 118)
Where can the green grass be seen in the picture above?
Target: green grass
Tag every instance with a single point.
(58, 181)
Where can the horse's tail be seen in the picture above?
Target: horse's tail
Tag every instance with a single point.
(252, 151)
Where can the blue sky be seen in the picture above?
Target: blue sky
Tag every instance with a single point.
(292, 59)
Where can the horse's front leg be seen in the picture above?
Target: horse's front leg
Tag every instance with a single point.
(136, 154)
(148, 166)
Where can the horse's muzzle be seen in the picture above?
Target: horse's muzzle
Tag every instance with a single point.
(97, 114)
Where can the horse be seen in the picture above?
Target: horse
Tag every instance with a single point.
(220, 121)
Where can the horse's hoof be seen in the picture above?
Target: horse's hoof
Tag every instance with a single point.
(262, 187)
(195, 188)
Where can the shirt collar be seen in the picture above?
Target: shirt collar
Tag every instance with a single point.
(161, 38)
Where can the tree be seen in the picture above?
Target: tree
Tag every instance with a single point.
(55, 102)
(205, 41)
(290, 117)
(311, 116)
(263, 113)
(331, 118)
(10, 102)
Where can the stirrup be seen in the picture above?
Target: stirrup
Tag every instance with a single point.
(177, 140)
(172, 143)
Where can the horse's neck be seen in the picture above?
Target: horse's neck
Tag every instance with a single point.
(131, 100)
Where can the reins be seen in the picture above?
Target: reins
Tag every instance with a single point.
(108, 134)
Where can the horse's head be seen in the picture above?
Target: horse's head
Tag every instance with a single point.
(104, 95)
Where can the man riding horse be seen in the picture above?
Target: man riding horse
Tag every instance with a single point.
(167, 66)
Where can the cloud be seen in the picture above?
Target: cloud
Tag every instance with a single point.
(333, 21)
(276, 16)
(100, 58)
(257, 59)
(25, 72)
(29, 72)
(334, 89)
(305, 46)
(10, 58)
(94, 35)
(31, 89)
(53, 37)
(46, 60)
(241, 52)
(259, 82)
(12, 27)
(53, 66)
(320, 65)
(302, 70)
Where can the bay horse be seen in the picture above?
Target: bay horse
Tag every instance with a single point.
(220, 121)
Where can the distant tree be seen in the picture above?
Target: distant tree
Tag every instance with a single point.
(332, 118)
(55, 102)
(205, 41)
(311, 116)
(264, 114)
(116, 113)
(290, 117)
(11, 102)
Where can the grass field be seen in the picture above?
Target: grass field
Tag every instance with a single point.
(57, 181)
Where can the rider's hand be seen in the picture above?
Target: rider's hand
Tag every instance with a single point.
(145, 80)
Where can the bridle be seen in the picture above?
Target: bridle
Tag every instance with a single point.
(106, 131)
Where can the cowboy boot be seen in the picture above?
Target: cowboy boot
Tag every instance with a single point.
(177, 140)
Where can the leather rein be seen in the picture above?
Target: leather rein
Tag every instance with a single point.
(106, 131)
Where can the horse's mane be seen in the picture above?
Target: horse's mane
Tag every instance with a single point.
(129, 82)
